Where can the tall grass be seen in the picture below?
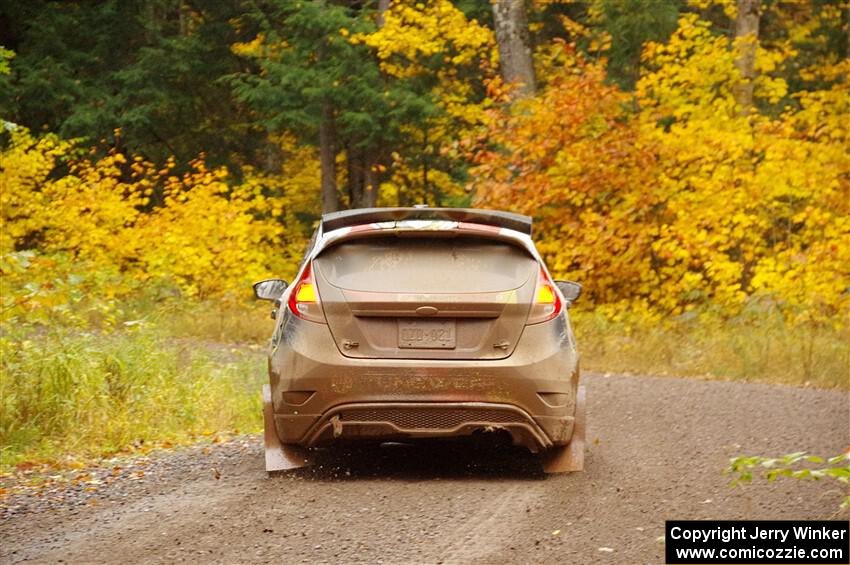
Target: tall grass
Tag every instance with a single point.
(754, 348)
(223, 322)
(88, 394)
(174, 370)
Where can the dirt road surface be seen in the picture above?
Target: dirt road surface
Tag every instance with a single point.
(656, 451)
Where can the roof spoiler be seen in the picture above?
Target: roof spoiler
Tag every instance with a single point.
(359, 216)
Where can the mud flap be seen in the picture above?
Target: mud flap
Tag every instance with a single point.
(570, 457)
(279, 457)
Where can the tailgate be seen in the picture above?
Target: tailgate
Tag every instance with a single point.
(426, 297)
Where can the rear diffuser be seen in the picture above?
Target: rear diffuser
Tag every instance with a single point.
(570, 457)
(279, 456)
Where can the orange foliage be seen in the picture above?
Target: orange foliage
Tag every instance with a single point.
(571, 159)
(680, 204)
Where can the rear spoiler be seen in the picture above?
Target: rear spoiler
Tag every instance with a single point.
(346, 218)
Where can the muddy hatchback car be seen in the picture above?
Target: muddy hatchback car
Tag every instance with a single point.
(408, 323)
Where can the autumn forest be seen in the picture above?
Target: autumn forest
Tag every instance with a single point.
(685, 160)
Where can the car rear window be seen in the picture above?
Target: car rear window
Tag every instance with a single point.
(426, 265)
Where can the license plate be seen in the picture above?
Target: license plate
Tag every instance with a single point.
(426, 334)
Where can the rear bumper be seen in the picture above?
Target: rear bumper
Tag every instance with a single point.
(394, 420)
(320, 396)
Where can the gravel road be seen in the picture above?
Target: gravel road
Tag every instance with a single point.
(656, 450)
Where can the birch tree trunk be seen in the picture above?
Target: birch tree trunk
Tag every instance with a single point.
(514, 45)
(746, 41)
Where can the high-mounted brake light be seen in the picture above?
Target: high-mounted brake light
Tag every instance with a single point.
(304, 299)
(547, 302)
(470, 226)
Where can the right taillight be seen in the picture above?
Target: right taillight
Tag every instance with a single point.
(547, 301)
(304, 299)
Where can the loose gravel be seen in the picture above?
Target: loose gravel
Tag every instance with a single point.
(656, 450)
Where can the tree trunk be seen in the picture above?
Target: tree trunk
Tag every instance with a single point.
(355, 177)
(426, 186)
(845, 25)
(514, 45)
(327, 154)
(746, 41)
(272, 157)
(370, 184)
(383, 6)
(371, 157)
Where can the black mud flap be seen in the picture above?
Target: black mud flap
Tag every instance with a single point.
(279, 456)
(570, 457)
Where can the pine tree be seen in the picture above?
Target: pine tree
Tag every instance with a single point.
(317, 83)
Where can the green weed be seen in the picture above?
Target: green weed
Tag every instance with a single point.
(87, 394)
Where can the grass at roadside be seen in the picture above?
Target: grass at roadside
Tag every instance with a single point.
(67, 394)
(217, 322)
(180, 371)
(762, 349)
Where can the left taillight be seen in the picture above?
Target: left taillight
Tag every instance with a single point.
(304, 299)
(547, 301)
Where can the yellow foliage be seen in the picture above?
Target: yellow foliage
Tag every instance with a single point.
(665, 202)
(413, 32)
(415, 38)
(24, 167)
(201, 230)
(683, 204)
(694, 73)
(760, 204)
(211, 230)
(729, 7)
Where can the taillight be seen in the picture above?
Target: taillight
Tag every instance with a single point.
(547, 301)
(304, 299)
